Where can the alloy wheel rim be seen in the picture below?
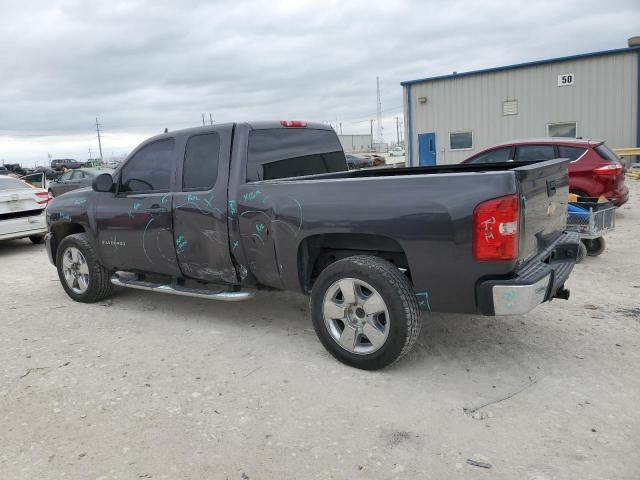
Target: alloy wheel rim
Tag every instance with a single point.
(75, 270)
(356, 316)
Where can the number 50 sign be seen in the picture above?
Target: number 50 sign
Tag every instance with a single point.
(565, 79)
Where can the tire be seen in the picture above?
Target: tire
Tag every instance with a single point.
(92, 279)
(594, 247)
(582, 252)
(36, 239)
(396, 324)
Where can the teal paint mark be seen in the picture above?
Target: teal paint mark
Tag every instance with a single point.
(236, 244)
(80, 201)
(423, 300)
(181, 244)
(208, 200)
(165, 198)
(192, 198)
(137, 205)
(233, 207)
(65, 217)
(251, 195)
(509, 297)
(260, 228)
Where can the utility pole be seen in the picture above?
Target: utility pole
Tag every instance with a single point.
(371, 122)
(99, 141)
(211, 119)
(203, 119)
(340, 128)
(379, 135)
(398, 129)
(90, 156)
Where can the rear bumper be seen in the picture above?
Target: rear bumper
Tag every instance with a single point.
(619, 197)
(23, 227)
(539, 280)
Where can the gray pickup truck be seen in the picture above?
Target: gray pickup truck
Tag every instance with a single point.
(220, 211)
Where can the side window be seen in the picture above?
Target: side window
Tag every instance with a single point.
(534, 153)
(495, 156)
(149, 169)
(65, 176)
(77, 175)
(572, 153)
(201, 159)
(293, 152)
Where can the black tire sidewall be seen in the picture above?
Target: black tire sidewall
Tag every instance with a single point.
(80, 242)
(396, 339)
(595, 246)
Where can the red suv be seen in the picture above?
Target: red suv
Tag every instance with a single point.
(594, 169)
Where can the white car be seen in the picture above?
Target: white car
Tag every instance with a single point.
(396, 152)
(22, 210)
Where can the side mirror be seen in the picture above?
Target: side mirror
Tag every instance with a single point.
(102, 183)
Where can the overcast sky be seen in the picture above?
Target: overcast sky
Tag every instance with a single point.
(144, 65)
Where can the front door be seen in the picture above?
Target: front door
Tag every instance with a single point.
(135, 224)
(427, 148)
(200, 208)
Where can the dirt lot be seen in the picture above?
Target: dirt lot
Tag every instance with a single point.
(153, 386)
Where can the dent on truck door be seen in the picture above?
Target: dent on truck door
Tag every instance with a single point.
(200, 209)
(134, 225)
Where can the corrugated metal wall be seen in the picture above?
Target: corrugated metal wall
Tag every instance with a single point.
(603, 101)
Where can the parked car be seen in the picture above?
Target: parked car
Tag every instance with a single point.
(59, 164)
(22, 210)
(73, 179)
(397, 152)
(218, 211)
(50, 173)
(594, 171)
(4, 171)
(15, 169)
(356, 161)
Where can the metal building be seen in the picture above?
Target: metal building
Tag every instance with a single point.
(355, 143)
(591, 95)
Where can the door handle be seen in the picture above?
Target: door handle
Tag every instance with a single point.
(155, 208)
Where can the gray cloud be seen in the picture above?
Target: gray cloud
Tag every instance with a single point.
(143, 65)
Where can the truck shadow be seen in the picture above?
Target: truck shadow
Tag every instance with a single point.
(446, 340)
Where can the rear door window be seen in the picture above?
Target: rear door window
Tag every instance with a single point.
(495, 156)
(572, 153)
(535, 153)
(293, 152)
(201, 158)
(150, 169)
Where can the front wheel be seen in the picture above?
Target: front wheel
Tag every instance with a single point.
(365, 312)
(81, 274)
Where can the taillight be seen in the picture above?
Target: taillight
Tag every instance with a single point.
(495, 229)
(293, 123)
(610, 169)
(44, 196)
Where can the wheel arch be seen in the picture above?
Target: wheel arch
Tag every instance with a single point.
(317, 252)
(60, 231)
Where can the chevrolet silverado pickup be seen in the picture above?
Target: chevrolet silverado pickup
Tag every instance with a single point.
(221, 211)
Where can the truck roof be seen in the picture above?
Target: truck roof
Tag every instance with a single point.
(255, 125)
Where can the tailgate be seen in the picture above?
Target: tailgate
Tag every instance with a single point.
(13, 201)
(544, 188)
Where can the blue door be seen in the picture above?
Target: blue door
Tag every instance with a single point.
(427, 148)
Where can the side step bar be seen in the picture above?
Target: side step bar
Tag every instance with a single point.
(226, 296)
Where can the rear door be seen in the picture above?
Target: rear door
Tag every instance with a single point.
(134, 223)
(201, 234)
(543, 189)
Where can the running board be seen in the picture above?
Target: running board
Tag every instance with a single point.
(226, 296)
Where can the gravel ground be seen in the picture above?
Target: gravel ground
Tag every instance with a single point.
(151, 386)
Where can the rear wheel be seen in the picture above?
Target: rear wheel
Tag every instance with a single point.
(81, 274)
(365, 312)
(594, 246)
(36, 238)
